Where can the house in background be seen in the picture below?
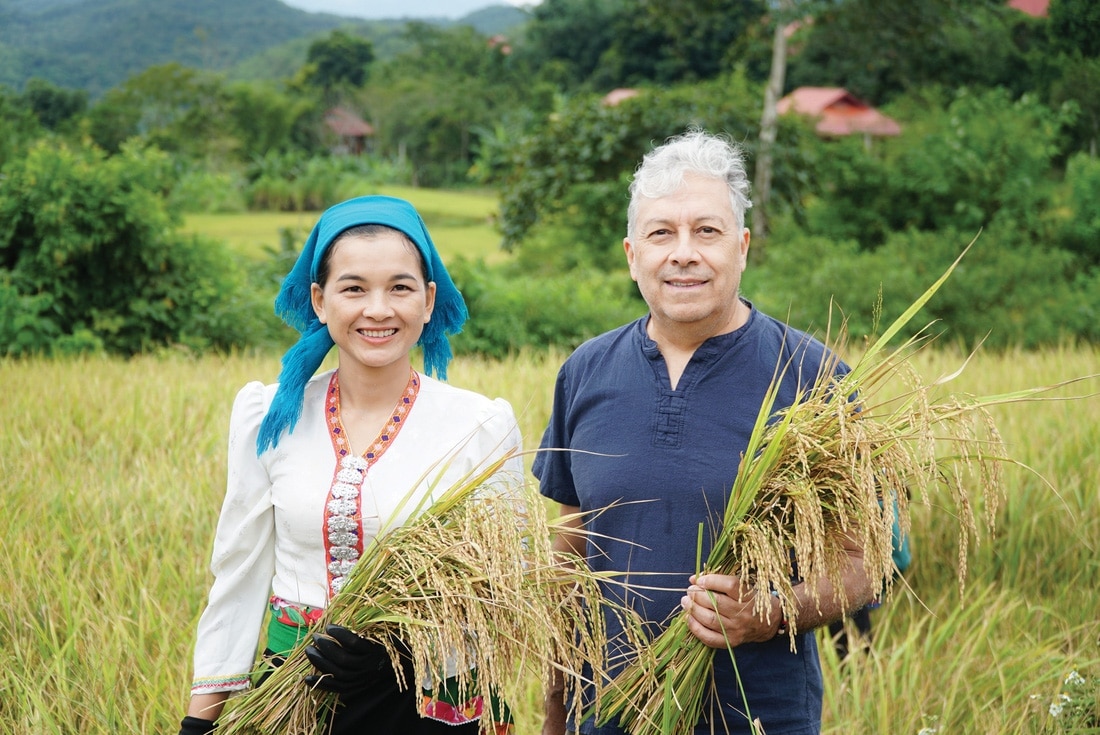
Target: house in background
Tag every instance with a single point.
(349, 133)
(616, 96)
(838, 112)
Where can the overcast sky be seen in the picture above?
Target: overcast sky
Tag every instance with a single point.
(378, 9)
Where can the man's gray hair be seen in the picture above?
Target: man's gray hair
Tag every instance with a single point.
(662, 171)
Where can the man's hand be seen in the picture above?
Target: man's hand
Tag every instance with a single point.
(347, 662)
(721, 615)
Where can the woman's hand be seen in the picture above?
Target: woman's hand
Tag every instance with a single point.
(347, 663)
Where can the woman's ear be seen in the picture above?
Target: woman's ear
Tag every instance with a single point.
(429, 301)
(317, 299)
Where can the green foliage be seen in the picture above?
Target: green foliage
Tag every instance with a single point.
(894, 46)
(983, 158)
(1079, 85)
(208, 189)
(1080, 232)
(339, 60)
(601, 44)
(431, 103)
(90, 260)
(293, 182)
(986, 157)
(1075, 24)
(1006, 290)
(265, 119)
(570, 36)
(591, 144)
(19, 125)
(585, 231)
(176, 108)
(52, 105)
(511, 310)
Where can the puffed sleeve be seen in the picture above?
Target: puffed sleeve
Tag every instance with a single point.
(243, 559)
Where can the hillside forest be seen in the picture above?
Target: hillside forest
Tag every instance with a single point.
(997, 106)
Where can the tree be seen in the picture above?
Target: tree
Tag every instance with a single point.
(431, 103)
(571, 36)
(52, 105)
(769, 127)
(19, 124)
(1075, 25)
(173, 107)
(668, 41)
(879, 49)
(339, 60)
(568, 177)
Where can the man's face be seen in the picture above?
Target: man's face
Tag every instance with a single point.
(687, 257)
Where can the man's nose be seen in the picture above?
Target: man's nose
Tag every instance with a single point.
(685, 250)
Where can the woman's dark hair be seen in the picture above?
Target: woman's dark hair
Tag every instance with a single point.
(368, 231)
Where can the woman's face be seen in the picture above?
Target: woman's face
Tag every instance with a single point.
(375, 301)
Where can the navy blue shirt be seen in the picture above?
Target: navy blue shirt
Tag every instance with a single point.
(657, 462)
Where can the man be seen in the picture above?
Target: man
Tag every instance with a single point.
(658, 412)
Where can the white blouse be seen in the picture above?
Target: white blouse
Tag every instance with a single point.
(273, 536)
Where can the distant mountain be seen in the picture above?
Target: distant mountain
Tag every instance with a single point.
(97, 44)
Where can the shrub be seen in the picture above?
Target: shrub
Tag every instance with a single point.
(510, 311)
(91, 259)
(1006, 291)
(1081, 231)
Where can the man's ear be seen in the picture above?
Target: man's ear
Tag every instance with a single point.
(628, 248)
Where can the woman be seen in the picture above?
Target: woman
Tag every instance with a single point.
(318, 463)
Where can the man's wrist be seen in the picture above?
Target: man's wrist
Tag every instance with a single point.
(784, 625)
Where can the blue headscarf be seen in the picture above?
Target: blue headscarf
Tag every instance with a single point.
(294, 305)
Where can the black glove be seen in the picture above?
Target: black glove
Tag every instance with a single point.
(196, 726)
(347, 662)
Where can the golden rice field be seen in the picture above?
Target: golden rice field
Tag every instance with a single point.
(113, 473)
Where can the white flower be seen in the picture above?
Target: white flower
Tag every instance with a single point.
(1055, 709)
(1074, 679)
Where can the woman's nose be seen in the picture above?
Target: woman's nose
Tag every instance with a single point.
(376, 306)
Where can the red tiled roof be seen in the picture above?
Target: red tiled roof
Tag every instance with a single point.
(840, 112)
(1036, 8)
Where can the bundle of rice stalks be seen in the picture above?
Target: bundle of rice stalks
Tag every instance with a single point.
(470, 578)
(840, 462)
